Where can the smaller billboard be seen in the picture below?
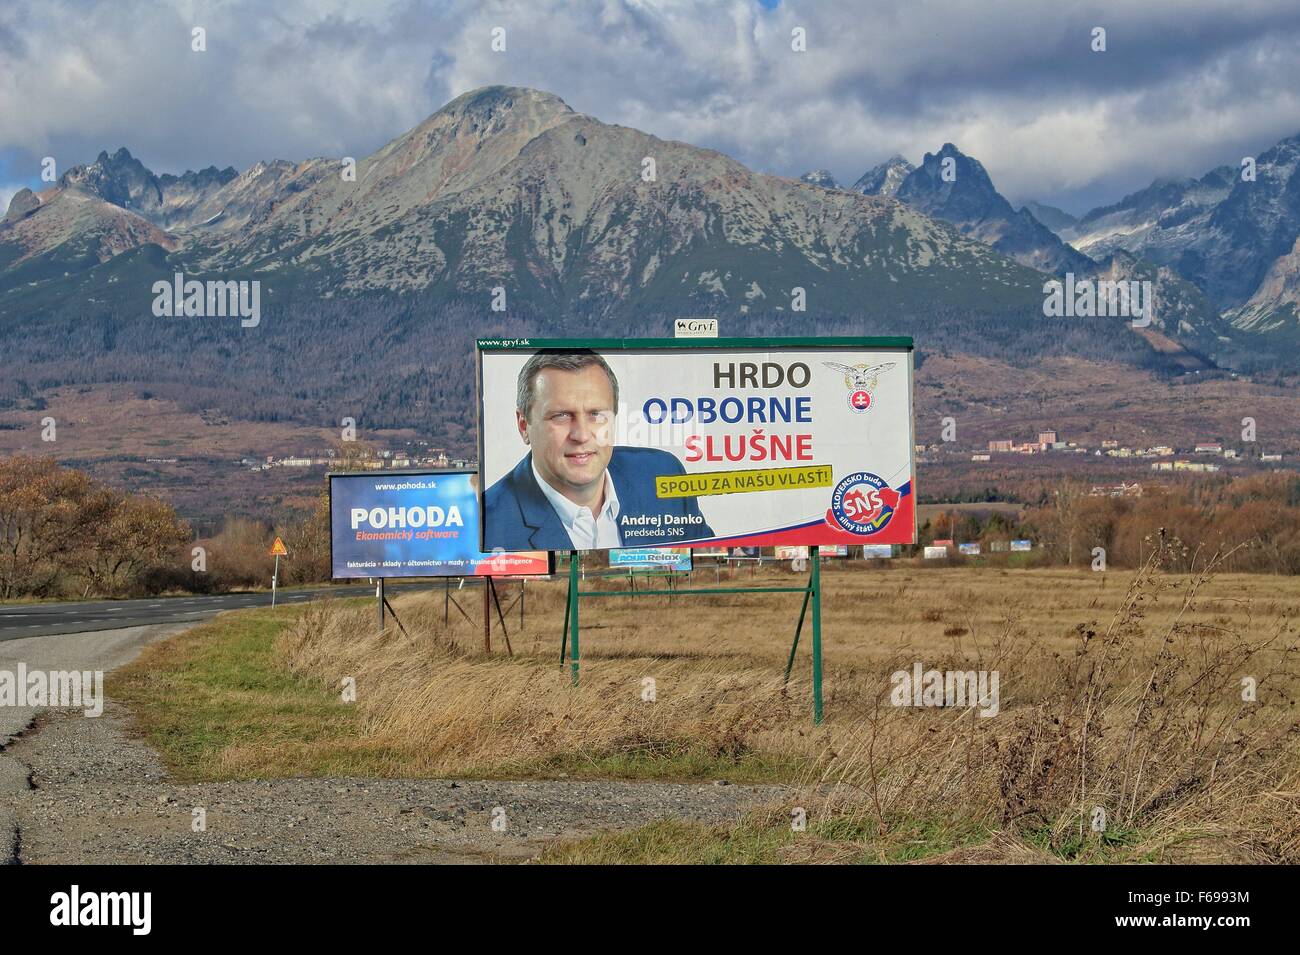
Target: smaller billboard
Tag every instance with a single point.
(1022, 545)
(877, 551)
(998, 547)
(970, 550)
(745, 553)
(932, 552)
(415, 524)
(791, 553)
(660, 558)
(709, 551)
(835, 550)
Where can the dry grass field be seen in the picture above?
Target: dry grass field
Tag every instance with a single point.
(1122, 726)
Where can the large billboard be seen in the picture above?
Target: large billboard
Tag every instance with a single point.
(652, 442)
(414, 524)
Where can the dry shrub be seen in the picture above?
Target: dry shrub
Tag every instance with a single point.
(1159, 740)
(238, 555)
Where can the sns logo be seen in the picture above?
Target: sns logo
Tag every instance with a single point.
(862, 503)
(861, 381)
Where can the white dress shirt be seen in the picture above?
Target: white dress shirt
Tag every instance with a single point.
(586, 531)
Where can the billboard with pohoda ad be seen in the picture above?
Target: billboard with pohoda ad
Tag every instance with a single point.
(414, 524)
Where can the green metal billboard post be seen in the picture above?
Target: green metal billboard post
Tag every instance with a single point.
(573, 615)
(815, 585)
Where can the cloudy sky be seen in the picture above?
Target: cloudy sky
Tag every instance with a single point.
(1183, 85)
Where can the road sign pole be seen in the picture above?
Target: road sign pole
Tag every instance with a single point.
(379, 592)
(278, 550)
(816, 583)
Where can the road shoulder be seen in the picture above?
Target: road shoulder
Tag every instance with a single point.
(100, 796)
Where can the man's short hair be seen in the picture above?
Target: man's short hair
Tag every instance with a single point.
(561, 361)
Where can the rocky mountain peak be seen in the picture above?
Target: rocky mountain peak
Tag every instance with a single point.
(820, 177)
(884, 179)
(960, 182)
(23, 202)
(120, 179)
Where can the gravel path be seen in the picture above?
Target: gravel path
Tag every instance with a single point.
(81, 790)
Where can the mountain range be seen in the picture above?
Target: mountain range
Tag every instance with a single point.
(508, 195)
(502, 188)
(1224, 245)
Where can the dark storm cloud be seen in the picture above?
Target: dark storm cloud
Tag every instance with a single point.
(1183, 86)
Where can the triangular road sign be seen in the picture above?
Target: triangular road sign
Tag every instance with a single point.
(278, 549)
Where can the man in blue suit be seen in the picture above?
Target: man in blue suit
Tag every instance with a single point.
(574, 490)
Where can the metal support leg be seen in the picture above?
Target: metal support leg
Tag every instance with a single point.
(816, 585)
(575, 656)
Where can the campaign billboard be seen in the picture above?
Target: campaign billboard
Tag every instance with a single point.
(415, 524)
(934, 552)
(661, 558)
(877, 551)
(607, 444)
(709, 551)
(1022, 545)
(970, 550)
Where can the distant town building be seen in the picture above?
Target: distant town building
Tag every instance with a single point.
(1209, 447)
(1118, 490)
(1047, 438)
(1001, 445)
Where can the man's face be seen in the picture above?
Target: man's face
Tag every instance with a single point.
(571, 427)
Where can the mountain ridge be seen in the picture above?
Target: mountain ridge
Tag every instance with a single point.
(507, 188)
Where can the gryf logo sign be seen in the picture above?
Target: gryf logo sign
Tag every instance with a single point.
(103, 908)
(695, 328)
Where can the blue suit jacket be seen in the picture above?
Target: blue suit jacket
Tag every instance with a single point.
(517, 515)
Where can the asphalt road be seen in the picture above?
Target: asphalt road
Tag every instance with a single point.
(47, 619)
